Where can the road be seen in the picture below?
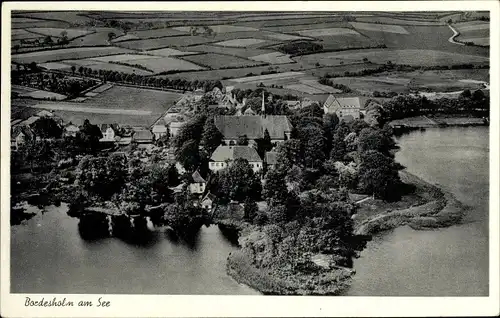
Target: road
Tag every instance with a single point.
(455, 34)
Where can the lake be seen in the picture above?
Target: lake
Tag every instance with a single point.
(444, 262)
(48, 255)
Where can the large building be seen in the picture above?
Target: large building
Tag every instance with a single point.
(346, 108)
(223, 156)
(233, 127)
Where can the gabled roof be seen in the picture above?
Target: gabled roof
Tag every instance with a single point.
(223, 153)
(105, 127)
(271, 157)
(253, 127)
(144, 134)
(159, 128)
(197, 177)
(71, 127)
(17, 130)
(249, 111)
(209, 196)
(335, 103)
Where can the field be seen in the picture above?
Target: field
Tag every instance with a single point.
(21, 34)
(387, 28)
(216, 61)
(169, 52)
(156, 33)
(21, 23)
(312, 87)
(477, 33)
(327, 32)
(63, 54)
(273, 58)
(125, 37)
(172, 41)
(57, 32)
(272, 77)
(36, 93)
(164, 64)
(240, 42)
(395, 21)
(220, 28)
(121, 57)
(241, 52)
(282, 36)
(65, 65)
(410, 57)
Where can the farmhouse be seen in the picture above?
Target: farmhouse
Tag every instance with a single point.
(346, 108)
(70, 130)
(198, 184)
(224, 155)
(159, 131)
(108, 132)
(19, 136)
(232, 127)
(208, 201)
(142, 136)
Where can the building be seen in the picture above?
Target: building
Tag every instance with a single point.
(223, 156)
(198, 184)
(346, 108)
(142, 136)
(208, 202)
(70, 130)
(271, 159)
(19, 136)
(108, 132)
(233, 127)
(174, 127)
(159, 131)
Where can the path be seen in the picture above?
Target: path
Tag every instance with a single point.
(455, 34)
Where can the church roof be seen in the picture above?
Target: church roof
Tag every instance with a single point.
(252, 126)
(223, 153)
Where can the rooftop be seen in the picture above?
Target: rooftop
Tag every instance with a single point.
(335, 103)
(223, 153)
(252, 126)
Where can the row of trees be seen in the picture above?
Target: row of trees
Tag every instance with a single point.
(57, 83)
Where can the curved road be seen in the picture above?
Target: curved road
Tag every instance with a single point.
(455, 34)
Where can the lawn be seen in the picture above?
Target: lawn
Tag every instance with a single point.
(410, 57)
(217, 61)
(63, 54)
(164, 64)
(273, 58)
(172, 41)
(241, 42)
(327, 32)
(386, 28)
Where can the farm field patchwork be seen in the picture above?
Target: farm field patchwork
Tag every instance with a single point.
(36, 93)
(298, 27)
(387, 28)
(241, 52)
(464, 27)
(21, 34)
(120, 57)
(216, 61)
(73, 17)
(311, 87)
(396, 21)
(327, 32)
(98, 38)
(240, 42)
(484, 41)
(55, 66)
(35, 23)
(63, 54)
(224, 28)
(125, 37)
(273, 58)
(282, 36)
(156, 33)
(57, 32)
(260, 78)
(96, 65)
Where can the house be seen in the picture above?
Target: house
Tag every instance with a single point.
(271, 159)
(233, 127)
(249, 112)
(224, 155)
(142, 136)
(70, 130)
(208, 202)
(174, 127)
(19, 136)
(198, 184)
(159, 131)
(346, 108)
(108, 132)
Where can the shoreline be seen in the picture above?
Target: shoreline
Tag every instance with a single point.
(439, 209)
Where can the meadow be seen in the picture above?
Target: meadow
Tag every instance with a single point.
(169, 52)
(163, 64)
(63, 54)
(273, 58)
(157, 43)
(241, 52)
(57, 32)
(240, 42)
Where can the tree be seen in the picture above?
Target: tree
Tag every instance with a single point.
(250, 209)
(376, 139)
(111, 36)
(80, 70)
(264, 144)
(46, 127)
(88, 137)
(211, 137)
(188, 155)
(16, 47)
(238, 182)
(48, 41)
(242, 140)
(378, 175)
(275, 189)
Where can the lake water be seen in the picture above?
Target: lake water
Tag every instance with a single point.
(48, 255)
(444, 262)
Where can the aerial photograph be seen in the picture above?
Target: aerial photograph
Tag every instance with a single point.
(250, 152)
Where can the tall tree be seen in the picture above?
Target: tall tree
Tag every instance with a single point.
(378, 175)
(238, 182)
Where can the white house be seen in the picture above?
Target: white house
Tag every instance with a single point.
(208, 201)
(223, 156)
(159, 131)
(71, 130)
(174, 127)
(346, 108)
(198, 184)
(108, 133)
